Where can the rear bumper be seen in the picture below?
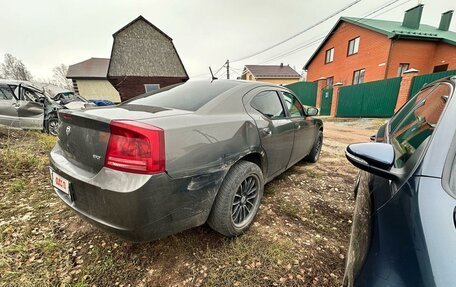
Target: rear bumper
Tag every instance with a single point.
(132, 206)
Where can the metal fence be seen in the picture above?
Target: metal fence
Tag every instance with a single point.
(420, 81)
(372, 99)
(306, 92)
(326, 100)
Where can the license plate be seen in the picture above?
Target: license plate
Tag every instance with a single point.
(60, 183)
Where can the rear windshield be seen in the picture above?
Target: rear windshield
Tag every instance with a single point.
(189, 96)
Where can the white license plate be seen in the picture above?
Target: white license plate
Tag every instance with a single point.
(60, 183)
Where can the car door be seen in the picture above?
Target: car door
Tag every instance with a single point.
(275, 129)
(389, 210)
(8, 107)
(304, 128)
(30, 109)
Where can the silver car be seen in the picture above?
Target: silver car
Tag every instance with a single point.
(181, 156)
(24, 105)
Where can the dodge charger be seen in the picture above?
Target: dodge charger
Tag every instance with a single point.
(181, 156)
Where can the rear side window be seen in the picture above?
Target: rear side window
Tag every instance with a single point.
(419, 124)
(6, 93)
(293, 105)
(189, 96)
(268, 103)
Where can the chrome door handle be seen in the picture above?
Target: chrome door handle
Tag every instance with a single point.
(298, 126)
(16, 105)
(265, 132)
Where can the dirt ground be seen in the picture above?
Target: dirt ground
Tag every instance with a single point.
(299, 238)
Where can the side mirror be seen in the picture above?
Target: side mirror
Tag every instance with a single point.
(373, 157)
(311, 111)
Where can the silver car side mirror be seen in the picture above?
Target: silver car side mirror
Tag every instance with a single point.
(312, 111)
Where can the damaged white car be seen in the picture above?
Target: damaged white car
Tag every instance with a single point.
(23, 105)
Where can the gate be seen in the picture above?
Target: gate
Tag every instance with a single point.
(306, 92)
(326, 100)
(373, 99)
(419, 81)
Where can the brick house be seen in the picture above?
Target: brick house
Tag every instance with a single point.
(274, 74)
(143, 58)
(89, 79)
(363, 50)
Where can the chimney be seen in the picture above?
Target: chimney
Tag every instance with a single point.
(281, 65)
(412, 17)
(445, 20)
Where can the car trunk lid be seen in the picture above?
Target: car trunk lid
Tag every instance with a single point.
(84, 134)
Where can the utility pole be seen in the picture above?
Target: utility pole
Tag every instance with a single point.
(227, 69)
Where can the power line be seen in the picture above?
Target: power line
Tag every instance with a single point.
(207, 73)
(392, 8)
(219, 69)
(299, 33)
(297, 49)
(312, 42)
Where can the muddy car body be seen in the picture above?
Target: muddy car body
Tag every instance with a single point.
(212, 147)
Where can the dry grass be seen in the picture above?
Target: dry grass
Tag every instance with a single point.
(299, 238)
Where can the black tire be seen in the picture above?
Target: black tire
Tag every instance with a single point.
(52, 126)
(314, 154)
(231, 203)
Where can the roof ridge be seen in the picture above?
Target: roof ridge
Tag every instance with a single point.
(141, 17)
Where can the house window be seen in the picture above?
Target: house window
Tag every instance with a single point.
(402, 68)
(329, 56)
(358, 76)
(353, 46)
(151, 87)
(440, 68)
(329, 81)
(250, 77)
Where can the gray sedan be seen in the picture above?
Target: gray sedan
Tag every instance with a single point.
(181, 156)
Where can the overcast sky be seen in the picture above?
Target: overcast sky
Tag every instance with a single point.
(46, 33)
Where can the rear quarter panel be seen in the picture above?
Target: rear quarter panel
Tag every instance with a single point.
(207, 144)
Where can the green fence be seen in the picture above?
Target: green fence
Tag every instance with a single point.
(374, 99)
(419, 81)
(326, 100)
(306, 92)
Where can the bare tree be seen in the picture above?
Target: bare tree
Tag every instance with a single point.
(13, 68)
(59, 77)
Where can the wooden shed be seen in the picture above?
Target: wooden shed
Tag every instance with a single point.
(143, 58)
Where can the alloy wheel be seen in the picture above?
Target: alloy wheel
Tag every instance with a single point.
(245, 201)
(53, 127)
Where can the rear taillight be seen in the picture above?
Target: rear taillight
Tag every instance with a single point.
(135, 147)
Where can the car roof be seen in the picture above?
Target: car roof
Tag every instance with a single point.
(446, 79)
(18, 82)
